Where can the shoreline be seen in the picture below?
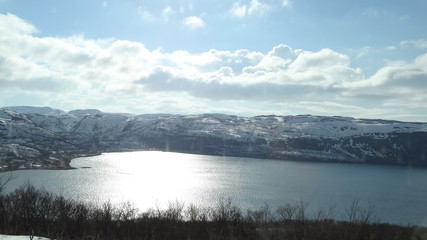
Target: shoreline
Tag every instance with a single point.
(65, 163)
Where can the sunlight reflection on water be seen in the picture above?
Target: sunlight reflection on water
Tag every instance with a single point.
(171, 176)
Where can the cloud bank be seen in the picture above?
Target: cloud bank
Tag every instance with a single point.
(120, 75)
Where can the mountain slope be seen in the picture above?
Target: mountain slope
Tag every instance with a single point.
(44, 137)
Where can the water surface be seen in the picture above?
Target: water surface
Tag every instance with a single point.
(150, 179)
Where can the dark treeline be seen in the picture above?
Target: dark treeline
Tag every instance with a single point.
(36, 212)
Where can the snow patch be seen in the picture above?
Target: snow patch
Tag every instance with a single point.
(11, 237)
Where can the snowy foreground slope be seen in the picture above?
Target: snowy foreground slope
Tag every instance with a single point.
(10, 237)
(33, 137)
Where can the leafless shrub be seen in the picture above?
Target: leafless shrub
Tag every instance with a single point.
(36, 212)
(261, 215)
(175, 211)
(126, 212)
(226, 211)
(286, 213)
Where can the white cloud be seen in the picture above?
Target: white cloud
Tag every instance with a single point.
(238, 10)
(254, 7)
(104, 4)
(124, 75)
(194, 22)
(403, 85)
(166, 13)
(11, 25)
(257, 7)
(145, 14)
(419, 44)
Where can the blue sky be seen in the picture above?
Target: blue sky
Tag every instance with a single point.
(353, 58)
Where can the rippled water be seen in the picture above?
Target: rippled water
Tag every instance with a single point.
(150, 179)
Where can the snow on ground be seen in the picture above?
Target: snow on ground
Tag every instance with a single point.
(10, 237)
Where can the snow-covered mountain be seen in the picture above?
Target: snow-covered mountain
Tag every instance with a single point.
(45, 137)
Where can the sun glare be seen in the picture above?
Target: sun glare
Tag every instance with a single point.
(154, 177)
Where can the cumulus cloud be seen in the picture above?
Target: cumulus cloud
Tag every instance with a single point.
(125, 76)
(194, 22)
(11, 25)
(402, 86)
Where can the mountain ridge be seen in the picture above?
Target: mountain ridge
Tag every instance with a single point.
(50, 138)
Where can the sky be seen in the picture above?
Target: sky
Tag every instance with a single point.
(357, 58)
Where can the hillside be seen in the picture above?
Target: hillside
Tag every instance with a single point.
(32, 137)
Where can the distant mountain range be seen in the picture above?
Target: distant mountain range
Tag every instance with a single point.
(42, 137)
